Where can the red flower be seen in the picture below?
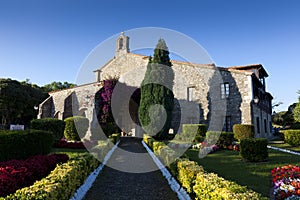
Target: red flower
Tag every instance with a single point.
(16, 174)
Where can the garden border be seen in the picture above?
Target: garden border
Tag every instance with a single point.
(175, 186)
(284, 150)
(86, 186)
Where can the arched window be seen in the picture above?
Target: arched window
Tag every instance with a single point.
(57, 115)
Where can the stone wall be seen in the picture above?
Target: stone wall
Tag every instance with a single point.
(205, 105)
(206, 79)
(71, 102)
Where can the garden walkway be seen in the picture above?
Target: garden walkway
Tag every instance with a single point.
(117, 180)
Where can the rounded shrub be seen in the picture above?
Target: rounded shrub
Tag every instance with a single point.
(212, 137)
(292, 137)
(56, 126)
(195, 132)
(254, 149)
(76, 128)
(226, 139)
(242, 131)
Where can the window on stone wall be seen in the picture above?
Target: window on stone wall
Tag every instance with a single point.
(225, 90)
(265, 125)
(227, 124)
(257, 124)
(191, 93)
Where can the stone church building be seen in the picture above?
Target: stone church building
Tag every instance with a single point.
(204, 93)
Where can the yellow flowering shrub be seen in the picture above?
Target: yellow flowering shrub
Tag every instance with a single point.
(61, 183)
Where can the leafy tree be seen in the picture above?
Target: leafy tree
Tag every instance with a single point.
(157, 99)
(17, 101)
(297, 110)
(57, 86)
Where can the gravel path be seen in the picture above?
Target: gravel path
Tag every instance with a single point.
(118, 181)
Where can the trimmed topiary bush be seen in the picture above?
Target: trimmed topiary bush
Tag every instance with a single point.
(226, 139)
(56, 126)
(221, 139)
(157, 145)
(242, 131)
(115, 137)
(254, 149)
(292, 137)
(211, 186)
(76, 128)
(191, 128)
(187, 172)
(22, 144)
(193, 132)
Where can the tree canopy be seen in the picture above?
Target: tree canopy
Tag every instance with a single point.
(297, 110)
(157, 99)
(57, 86)
(17, 101)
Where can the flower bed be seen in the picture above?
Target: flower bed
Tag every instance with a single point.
(62, 182)
(16, 174)
(286, 181)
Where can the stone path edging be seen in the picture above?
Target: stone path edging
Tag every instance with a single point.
(82, 190)
(181, 193)
(284, 150)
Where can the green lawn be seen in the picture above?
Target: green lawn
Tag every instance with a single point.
(70, 152)
(256, 176)
(285, 146)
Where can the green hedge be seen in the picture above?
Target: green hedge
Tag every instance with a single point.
(62, 182)
(100, 151)
(226, 139)
(197, 129)
(166, 154)
(148, 140)
(187, 172)
(222, 139)
(211, 186)
(76, 128)
(292, 137)
(206, 185)
(115, 137)
(242, 131)
(196, 181)
(193, 132)
(254, 149)
(212, 137)
(54, 125)
(21, 144)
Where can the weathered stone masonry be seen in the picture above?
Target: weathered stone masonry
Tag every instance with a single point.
(205, 93)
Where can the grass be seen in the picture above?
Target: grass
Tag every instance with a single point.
(256, 176)
(286, 146)
(70, 152)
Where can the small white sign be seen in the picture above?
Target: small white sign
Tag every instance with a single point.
(16, 127)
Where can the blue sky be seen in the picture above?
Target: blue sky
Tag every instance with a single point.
(48, 40)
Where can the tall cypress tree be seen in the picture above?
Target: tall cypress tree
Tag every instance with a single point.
(157, 99)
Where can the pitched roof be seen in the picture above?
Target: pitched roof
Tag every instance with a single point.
(242, 69)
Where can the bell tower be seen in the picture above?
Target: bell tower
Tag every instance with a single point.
(122, 45)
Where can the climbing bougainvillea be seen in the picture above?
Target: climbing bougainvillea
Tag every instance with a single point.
(103, 107)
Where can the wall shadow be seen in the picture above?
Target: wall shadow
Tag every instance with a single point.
(224, 102)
